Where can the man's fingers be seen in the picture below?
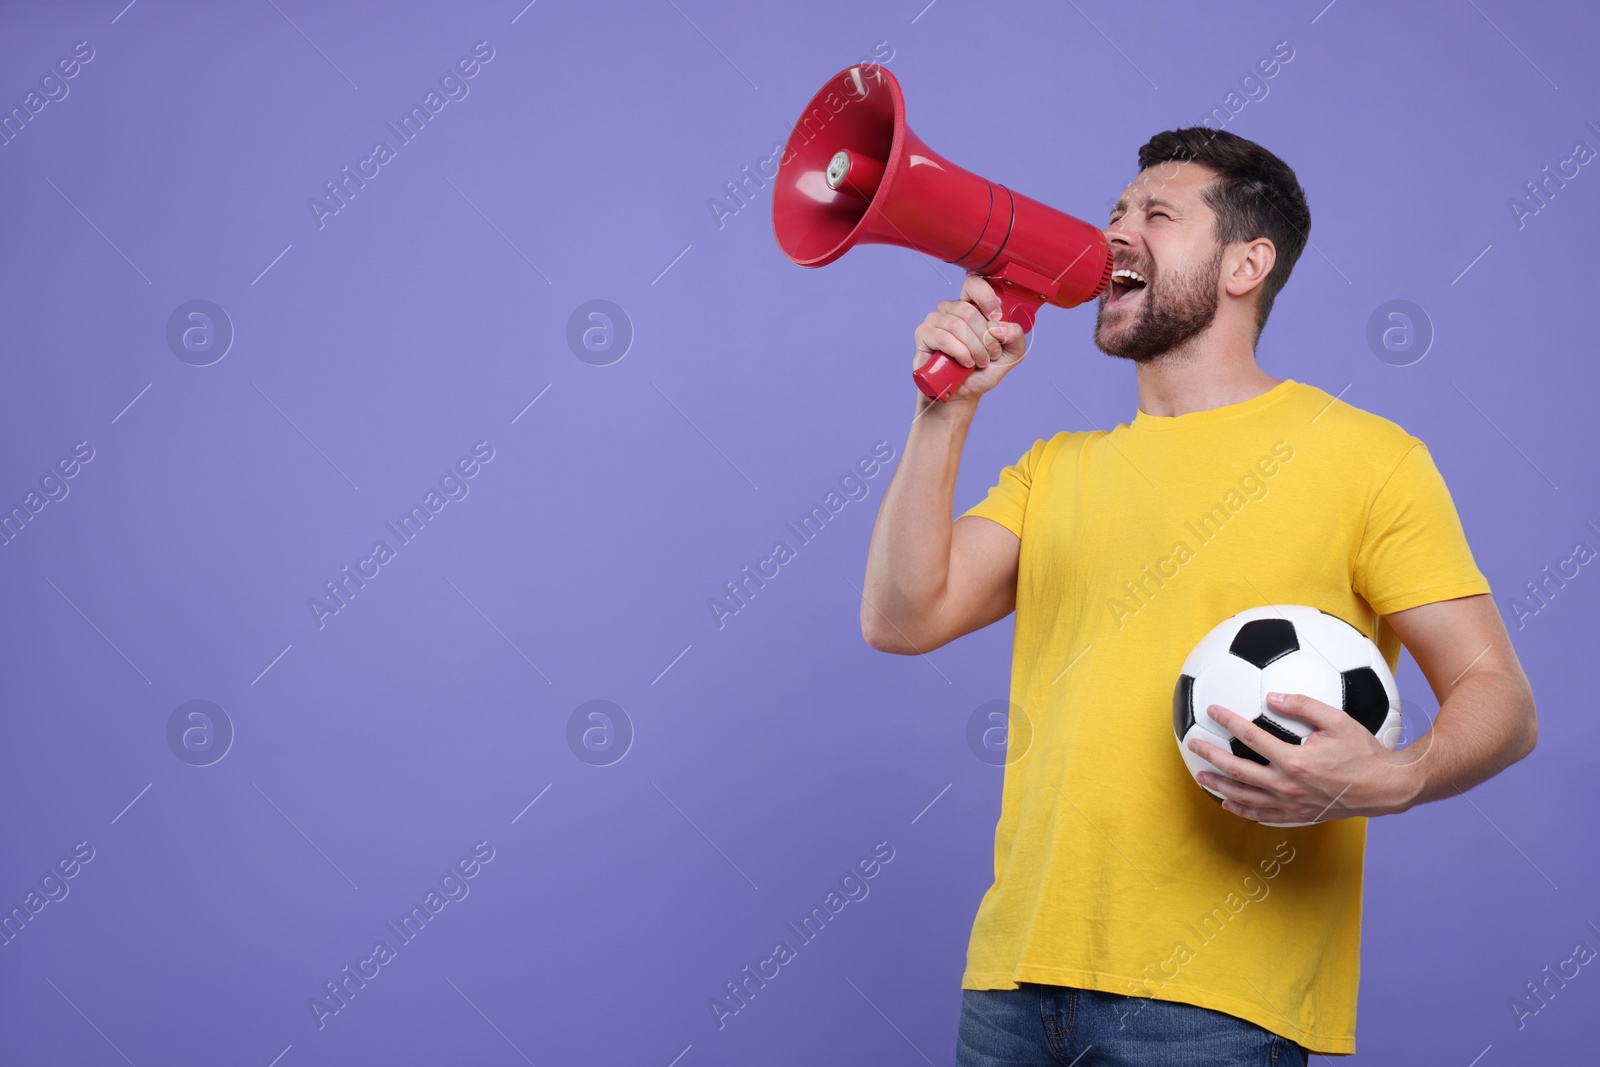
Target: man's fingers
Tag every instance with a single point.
(970, 332)
(1259, 741)
(977, 290)
(938, 339)
(977, 337)
(965, 308)
(1245, 794)
(1309, 710)
(1010, 336)
(1231, 766)
(970, 315)
(981, 310)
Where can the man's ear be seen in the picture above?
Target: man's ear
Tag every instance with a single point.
(1248, 265)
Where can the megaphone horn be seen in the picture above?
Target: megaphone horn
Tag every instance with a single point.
(854, 173)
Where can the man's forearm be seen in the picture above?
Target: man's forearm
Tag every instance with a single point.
(1484, 725)
(908, 561)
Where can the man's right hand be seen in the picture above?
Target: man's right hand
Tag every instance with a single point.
(970, 331)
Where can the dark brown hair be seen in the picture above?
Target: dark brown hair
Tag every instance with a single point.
(1255, 195)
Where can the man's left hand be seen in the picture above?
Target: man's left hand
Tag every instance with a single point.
(1337, 771)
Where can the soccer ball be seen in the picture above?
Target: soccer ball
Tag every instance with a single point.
(1283, 648)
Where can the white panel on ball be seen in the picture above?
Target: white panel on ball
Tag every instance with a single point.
(1231, 682)
(1300, 672)
(1339, 643)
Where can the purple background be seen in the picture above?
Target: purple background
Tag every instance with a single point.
(769, 755)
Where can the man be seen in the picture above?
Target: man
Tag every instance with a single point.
(1132, 918)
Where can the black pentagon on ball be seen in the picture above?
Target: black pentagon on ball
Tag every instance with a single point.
(1365, 700)
(1183, 706)
(1244, 751)
(1260, 641)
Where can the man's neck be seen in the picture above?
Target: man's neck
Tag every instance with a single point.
(1178, 387)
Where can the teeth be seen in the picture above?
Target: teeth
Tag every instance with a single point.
(1126, 275)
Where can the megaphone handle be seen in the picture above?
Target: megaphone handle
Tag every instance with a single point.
(941, 376)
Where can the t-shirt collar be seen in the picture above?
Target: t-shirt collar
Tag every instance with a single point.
(1144, 421)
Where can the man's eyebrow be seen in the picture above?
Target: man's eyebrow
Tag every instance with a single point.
(1151, 202)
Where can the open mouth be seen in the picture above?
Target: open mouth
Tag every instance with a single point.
(1125, 285)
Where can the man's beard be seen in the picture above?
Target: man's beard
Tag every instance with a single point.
(1166, 321)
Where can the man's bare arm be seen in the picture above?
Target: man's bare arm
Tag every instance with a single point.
(930, 579)
(1486, 719)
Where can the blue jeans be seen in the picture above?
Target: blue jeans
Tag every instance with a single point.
(1054, 1026)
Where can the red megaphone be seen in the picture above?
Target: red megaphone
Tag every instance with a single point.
(853, 173)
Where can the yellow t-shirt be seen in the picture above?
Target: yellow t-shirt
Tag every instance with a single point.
(1113, 869)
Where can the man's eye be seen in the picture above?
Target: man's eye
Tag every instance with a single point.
(1163, 214)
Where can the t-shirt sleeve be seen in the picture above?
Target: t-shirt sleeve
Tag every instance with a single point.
(1007, 500)
(1413, 550)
